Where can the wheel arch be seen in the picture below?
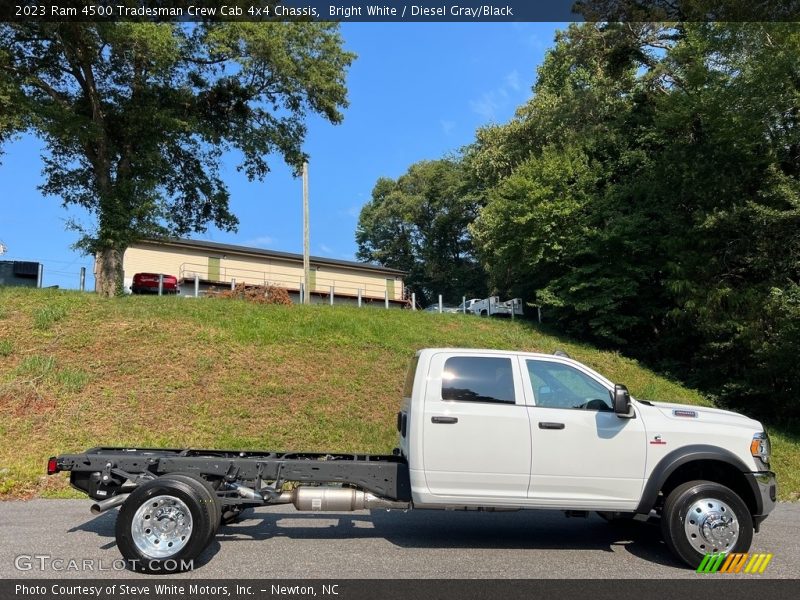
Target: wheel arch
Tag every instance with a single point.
(699, 462)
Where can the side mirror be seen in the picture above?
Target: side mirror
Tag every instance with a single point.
(622, 401)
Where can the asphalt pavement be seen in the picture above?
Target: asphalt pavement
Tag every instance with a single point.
(61, 539)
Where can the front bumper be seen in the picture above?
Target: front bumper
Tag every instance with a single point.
(765, 491)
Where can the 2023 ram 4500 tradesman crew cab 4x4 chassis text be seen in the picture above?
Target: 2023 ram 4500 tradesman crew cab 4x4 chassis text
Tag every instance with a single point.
(478, 429)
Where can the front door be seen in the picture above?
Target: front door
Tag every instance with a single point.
(583, 453)
(476, 434)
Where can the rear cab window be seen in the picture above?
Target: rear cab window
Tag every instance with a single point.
(478, 379)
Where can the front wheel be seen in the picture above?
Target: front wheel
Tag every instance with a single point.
(165, 524)
(702, 517)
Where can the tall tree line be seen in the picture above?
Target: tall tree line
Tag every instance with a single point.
(648, 196)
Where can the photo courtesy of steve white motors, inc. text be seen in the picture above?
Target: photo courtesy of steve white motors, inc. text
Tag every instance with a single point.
(138, 590)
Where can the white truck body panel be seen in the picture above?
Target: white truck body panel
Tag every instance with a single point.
(726, 430)
(497, 455)
(486, 449)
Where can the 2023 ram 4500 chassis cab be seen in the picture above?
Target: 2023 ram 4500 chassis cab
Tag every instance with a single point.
(478, 430)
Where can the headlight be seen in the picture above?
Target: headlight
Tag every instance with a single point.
(760, 447)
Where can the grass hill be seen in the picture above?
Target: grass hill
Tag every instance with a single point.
(78, 371)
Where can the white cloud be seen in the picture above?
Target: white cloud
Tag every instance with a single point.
(529, 37)
(512, 80)
(261, 242)
(490, 103)
(326, 249)
(352, 211)
(486, 106)
(447, 126)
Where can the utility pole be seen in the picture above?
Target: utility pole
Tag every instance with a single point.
(306, 260)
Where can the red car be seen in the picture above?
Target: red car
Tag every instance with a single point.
(147, 283)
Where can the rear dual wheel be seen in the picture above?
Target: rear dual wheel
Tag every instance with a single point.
(166, 523)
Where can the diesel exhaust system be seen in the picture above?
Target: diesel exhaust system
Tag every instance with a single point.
(311, 499)
(104, 505)
(336, 499)
(323, 499)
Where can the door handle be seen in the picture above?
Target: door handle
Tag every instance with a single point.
(549, 425)
(444, 420)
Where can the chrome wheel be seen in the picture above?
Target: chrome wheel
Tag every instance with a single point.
(161, 526)
(711, 526)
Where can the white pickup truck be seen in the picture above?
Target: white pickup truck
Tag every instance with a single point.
(492, 306)
(478, 430)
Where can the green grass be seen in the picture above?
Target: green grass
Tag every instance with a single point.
(44, 317)
(33, 368)
(80, 371)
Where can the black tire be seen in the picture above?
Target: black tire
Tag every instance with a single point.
(177, 489)
(691, 548)
(209, 493)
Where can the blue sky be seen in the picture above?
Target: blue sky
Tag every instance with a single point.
(417, 92)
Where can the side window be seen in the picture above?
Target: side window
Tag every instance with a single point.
(478, 379)
(556, 385)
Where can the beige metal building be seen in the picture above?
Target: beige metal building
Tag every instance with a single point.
(212, 264)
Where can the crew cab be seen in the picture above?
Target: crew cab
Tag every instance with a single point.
(478, 430)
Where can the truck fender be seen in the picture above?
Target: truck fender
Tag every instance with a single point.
(678, 457)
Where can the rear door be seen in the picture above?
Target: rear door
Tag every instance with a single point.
(476, 433)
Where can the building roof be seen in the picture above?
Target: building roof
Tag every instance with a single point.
(262, 253)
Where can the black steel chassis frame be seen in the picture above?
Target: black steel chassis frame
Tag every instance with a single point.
(102, 472)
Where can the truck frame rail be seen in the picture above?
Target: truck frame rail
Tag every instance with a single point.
(105, 472)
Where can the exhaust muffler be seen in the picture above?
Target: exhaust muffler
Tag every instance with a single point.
(316, 499)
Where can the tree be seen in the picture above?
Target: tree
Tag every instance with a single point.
(419, 224)
(567, 221)
(649, 195)
(731, 152)
(10, 117)
(136, 116)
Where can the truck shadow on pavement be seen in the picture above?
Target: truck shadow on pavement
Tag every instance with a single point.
(532, 529)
